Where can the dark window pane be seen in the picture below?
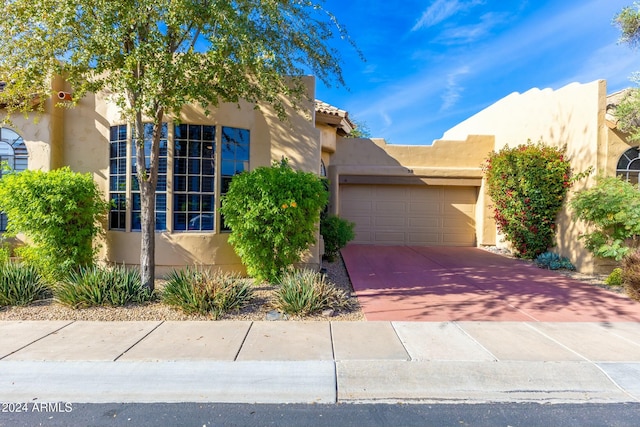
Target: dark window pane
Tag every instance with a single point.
(208, 203)
(180, 221)
(180, 132)
(135, 202)
(225, 184)
(180, 203)
(194, 202)
(195, 132)
(194, 166)
(209, 150)
(135, 221)
(161, 221)
(163, 148)
(207, 167)
(223, 226)
(180, 148)
(206, 222)
(207, 185)
(180, 166)
(161, 202)
(114, 220)
(161, 185)
(194, 184)
(180, 183)
(195, 149)
(208, 133)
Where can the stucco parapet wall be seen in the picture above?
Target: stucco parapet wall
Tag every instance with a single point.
(437, 172)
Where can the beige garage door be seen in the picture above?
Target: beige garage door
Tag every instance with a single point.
(410, 215)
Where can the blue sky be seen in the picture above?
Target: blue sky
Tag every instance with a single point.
(431, 64)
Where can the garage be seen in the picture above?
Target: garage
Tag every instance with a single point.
(424, 215)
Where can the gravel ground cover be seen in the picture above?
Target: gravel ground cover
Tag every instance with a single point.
(258, 310)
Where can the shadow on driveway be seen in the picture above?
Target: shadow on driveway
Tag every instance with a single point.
(411, 283)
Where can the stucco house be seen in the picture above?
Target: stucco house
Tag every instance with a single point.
(435, 195)
(401, 195)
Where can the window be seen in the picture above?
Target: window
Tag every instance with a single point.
(629, 166)
(205, 159)
(161, 185)
(118, 177)
(235, 158)
(13, 153)
(194, 156)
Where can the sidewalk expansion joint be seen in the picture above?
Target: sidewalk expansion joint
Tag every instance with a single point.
(36, 340)
(244, 339)
(138, 342)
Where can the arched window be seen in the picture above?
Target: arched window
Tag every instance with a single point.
(13, 154)
(323, 169)
(629, 166)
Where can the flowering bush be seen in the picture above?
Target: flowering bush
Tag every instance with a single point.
(273, 214)
(528, 184)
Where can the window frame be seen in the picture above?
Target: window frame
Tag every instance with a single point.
(18, 156)
(194, 182)
(206, 182)
(627, 159)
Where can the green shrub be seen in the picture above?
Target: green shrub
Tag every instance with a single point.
(101, 286)
(615, 278)
(5, 253)
(631, 274)
(553, 261)
(204, 292)
(611, 209)
(336, 232)
(304, 292)
(527, 184)
(60, 213)
(273, 214)
(20, 284)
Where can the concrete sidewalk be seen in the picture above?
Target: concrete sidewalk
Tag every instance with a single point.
(321, 362)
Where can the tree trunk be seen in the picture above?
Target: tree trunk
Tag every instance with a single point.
(147, 175)
(148, 233)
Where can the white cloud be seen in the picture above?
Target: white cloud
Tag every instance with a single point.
(440, 10)
(470, 33)
(453, 90)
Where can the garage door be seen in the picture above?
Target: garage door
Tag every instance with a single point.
(410, 214)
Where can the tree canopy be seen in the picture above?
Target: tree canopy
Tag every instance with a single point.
(154, 56)
(628, 110)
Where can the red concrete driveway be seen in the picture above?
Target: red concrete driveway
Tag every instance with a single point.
(446, 283)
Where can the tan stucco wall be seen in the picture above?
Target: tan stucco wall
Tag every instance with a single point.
(572, 116)
(79, 137)
(451, 162)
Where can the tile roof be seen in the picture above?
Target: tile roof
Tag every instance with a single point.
(612, 102)
(328, 114)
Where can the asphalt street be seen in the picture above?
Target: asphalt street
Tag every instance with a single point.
(335, 415)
